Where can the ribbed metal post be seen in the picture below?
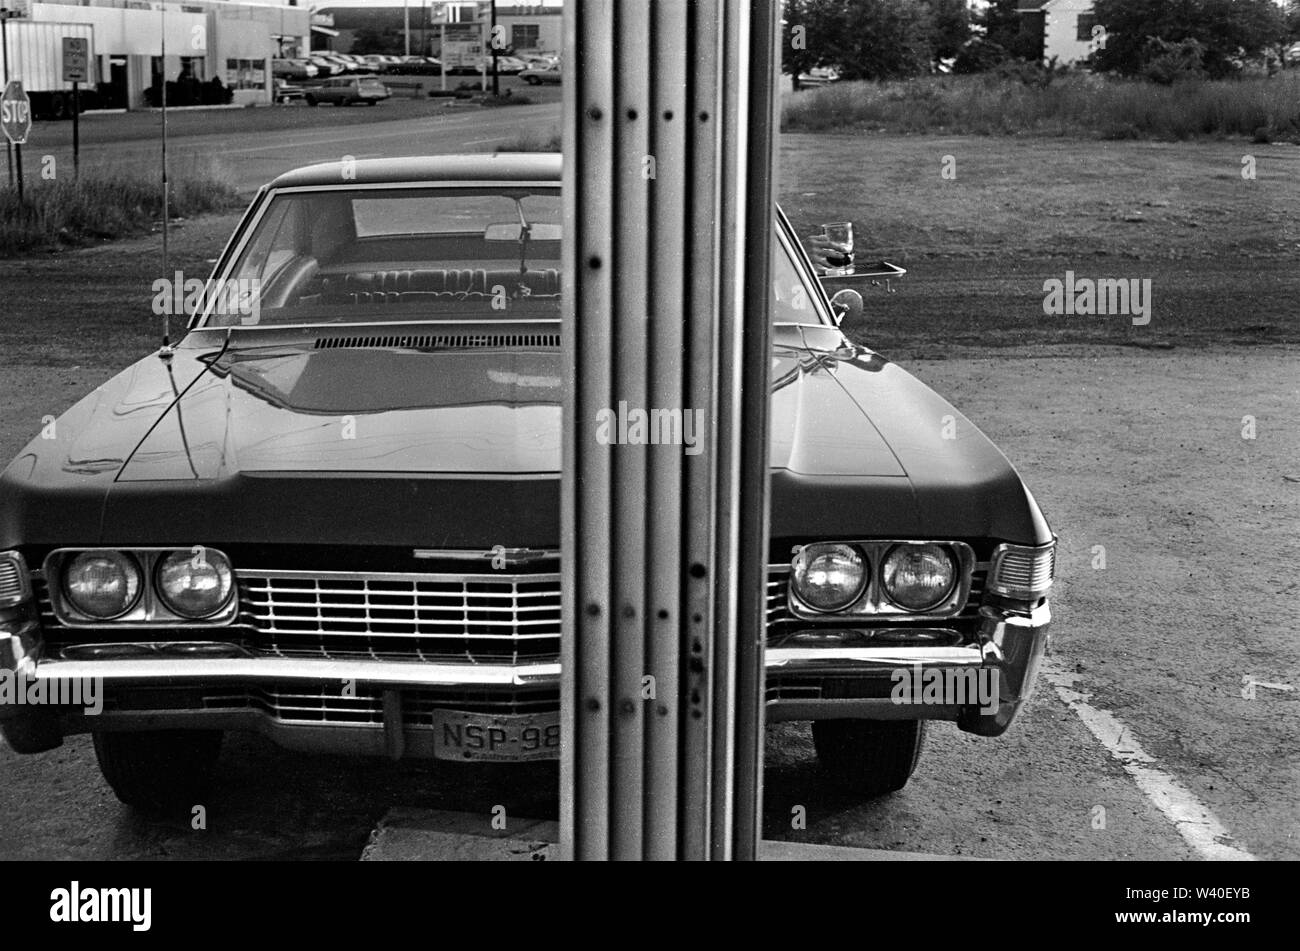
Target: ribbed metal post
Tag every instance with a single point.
(669, 108)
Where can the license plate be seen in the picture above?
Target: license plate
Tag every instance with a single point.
(503, 738)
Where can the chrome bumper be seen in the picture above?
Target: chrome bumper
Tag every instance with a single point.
(821, 680)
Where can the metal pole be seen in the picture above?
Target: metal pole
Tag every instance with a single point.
(4, 48)
(492, 46)
(668, 217)
(76, 130)
(166, 186)
(406, 24)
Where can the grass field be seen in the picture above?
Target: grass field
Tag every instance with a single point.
(104, 203)
(1075, 105)
(1221, 251)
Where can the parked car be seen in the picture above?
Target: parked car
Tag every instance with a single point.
(285, 92)
(819, 76)
(419, 66)
(344, 64)
(325, 65)
(373, 62)
(331, 515)
(349, 90)
(540, 75)
(293, 69)
(509, 65)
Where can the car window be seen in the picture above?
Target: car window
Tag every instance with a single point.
(794, 299)
(343, 255)
(349, 255)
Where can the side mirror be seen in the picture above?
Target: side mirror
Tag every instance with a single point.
(846, 303)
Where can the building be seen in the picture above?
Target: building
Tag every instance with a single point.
(1064, 26)
(533, 29)
(204, 39)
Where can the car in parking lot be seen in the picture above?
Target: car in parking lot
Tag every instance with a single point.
(331, 513)
(285, 92)
(542, 75)
(348, 90)
(326, 66)
(293, 69)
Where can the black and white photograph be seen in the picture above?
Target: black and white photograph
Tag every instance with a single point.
(802, 431)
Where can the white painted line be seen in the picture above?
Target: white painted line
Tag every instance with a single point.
(499, 138)
(1194, 821)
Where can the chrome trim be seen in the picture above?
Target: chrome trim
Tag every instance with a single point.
(472, 617)
(19, 589)
(873, 602)
(1022, 591)
(510, 557)
(851, 660)
(149, 609)
(177, 671)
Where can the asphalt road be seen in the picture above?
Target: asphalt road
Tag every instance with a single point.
(292, 136)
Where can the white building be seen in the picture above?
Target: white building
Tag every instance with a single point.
(1066, 27)
(231, 41)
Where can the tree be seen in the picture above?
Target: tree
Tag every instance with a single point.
(807, 30)
(1004, 37)
(863, 39)
(372, 40)
(1140, 31)
(950, 27)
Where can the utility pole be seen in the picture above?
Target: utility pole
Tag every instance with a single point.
(669, 112)
(492, 46)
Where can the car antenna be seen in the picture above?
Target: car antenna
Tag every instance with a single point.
(166, 350)
(525, 231)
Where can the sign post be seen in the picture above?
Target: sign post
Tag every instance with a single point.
(16, 121)
(76, 64)
(5, 14)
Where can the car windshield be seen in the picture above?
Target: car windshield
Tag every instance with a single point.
(398, 254)
(342, 255)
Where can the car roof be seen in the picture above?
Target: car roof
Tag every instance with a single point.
(499, 167)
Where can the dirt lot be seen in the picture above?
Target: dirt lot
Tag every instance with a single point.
(1131, 437)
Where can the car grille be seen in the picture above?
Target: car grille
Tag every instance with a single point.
(476, 618)
(302, 703)
(472, 618)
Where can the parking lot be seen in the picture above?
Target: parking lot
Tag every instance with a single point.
(1131, 442)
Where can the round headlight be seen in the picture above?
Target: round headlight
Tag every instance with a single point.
(102, 584)
(195, 584)
(828, 577)
(919, 577)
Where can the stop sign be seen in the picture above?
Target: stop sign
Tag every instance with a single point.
(15, 113)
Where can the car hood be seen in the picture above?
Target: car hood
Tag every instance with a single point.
(488, 412)
(392, 445)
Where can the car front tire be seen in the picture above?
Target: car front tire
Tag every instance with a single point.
(869, 758)
(160, 770)
(532, 80)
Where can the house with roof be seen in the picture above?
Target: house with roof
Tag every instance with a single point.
(1064, 26)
